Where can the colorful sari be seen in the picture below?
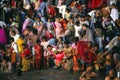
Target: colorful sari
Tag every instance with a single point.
(75, 62)
(38, 56)
(25, 61)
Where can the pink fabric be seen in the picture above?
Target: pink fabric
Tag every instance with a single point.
(74, 46)
(3, 39)
(25, 24)
(60, 2)
(59, 57)
(58, 28)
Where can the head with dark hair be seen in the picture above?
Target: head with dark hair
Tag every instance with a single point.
(49, 47)
(11, 39)
(84, 27)
(13, 32)
(35, 31)
(38, 41)
(77, 23)
(44, 38)
(76, 39)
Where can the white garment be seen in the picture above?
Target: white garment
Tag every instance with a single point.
(16, 37)
(45, 44)
(77, 29)
(2, 23)
(85, 22)
(112, 1)
(26, 4)
(62, 10)
(114, 14)
(15, 47)
(112, 43)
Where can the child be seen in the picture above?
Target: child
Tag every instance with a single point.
(8, 58)
(4, 63)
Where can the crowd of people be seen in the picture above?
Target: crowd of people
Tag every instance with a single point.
(75, 35)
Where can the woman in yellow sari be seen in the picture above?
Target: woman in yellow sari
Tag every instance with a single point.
(25, 57)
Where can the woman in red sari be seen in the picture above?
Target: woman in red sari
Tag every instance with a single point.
(38, 55)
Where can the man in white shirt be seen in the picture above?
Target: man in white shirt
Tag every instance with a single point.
(114, 13)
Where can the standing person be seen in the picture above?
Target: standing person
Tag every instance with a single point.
(45, 43)
(75, 62)
(38, 56)
(88, 32)
(77, 29)
(14, 53)
(58, 27)
(25, 58)
(114, 12)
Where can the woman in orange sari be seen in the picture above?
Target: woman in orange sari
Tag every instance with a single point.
(75, 61)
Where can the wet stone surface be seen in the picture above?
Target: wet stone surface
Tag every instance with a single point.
(48, 74)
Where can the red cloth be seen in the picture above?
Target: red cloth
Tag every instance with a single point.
(13, 3)
(96, 3)
(51, 11)
(49, 35)
(38, 55)
(64, 24)
(81, 49)
(25, 53)
(84, 52)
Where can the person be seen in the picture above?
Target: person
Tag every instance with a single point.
(115, 42)
(88, 74)
(38, 56)
(25, 58)
(69, 57)
(114, 12)
(89, 35)
(60, 44)
(58, 27)
(77, 29)
(75, 62)
(111, 75)
(14, 54)
(50, 56)
(45, 43)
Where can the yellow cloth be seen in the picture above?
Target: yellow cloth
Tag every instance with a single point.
(19, 42)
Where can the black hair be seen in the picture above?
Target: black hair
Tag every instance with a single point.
(38, 41)
(85, 25)
(12, 39)
(35, 31)
(49, 46)
(77, 23)
(13, 32)
(44, 37)
(76, 39)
